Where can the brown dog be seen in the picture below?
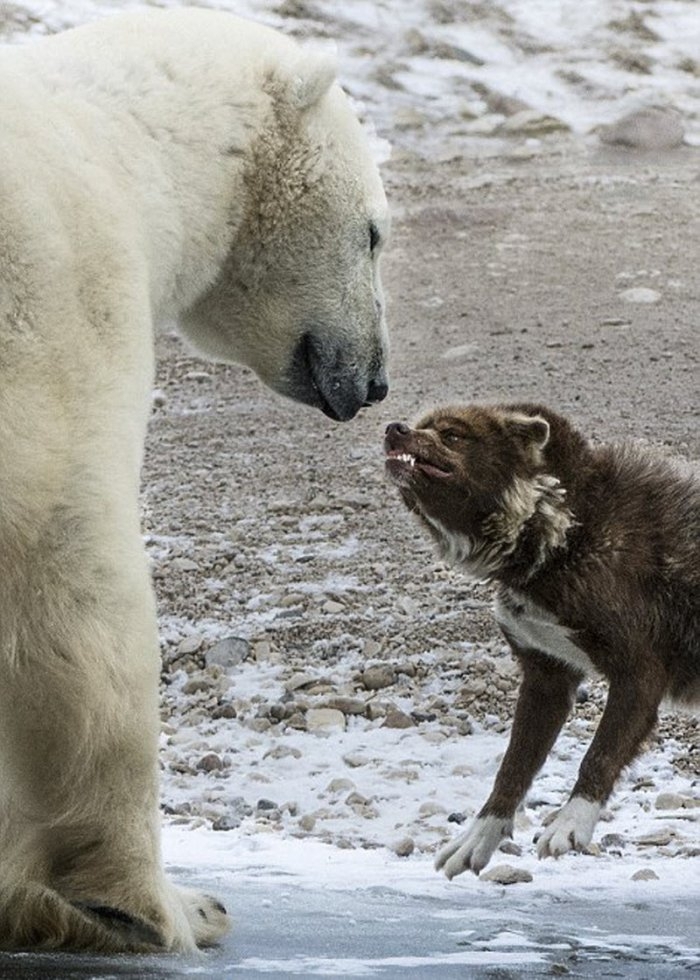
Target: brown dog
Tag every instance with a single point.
(596, 555)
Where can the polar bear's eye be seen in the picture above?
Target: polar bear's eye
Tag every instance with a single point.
(373, 236)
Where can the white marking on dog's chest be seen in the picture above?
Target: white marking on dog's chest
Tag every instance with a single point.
(533, 628)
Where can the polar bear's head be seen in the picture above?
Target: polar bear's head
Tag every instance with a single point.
(299, 297)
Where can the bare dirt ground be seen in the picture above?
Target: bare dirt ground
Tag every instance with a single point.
(514, 276)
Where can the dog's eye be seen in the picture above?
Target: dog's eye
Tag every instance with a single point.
(374, 236)
(452, 436)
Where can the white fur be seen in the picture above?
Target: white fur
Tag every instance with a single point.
(472, 850)
(571, 829)
(147, 163)
(535, 628)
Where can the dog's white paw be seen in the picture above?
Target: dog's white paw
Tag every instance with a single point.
(570, 830)
(472, 850)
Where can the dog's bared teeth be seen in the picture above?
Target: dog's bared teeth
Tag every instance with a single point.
(405, 458)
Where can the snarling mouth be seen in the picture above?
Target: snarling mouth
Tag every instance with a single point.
(400, 463)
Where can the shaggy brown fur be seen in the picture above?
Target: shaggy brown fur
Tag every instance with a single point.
(596, 554)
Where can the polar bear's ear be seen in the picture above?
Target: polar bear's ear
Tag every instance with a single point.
(310, 78)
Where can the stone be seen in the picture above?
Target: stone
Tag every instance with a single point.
(398, 719)
(190, 644)
(226, 822)
(404, 847)
(264, 805)
(645, 874)
(354, 760)
(307, 822)
(224, 711)
(229, 652)
(298, 681)
(210, 762)
(332, 608)
(506, 874)
(660, 838)
(184, 564)
(649, 128)
(668, 801)
(378, 677)
(530, 122)
(510, 847)
(324, 720)
(283, 752)
(457, 818)
(349, 706)
(340, 785)
(430, 809)
(640, 294)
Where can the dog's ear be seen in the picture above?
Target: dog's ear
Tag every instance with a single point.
(532, 429)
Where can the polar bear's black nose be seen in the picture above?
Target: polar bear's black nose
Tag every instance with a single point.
(377, 391)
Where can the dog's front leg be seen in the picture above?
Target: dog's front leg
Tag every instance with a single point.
(630, 714)
(546, 694)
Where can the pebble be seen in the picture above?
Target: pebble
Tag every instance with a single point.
(530, 122)
(184, 564)
(669, 801)
(211, 762)
(640, 294)
(457, 818)
(506, 874)
(324, 720)
(398, 719)
(307, 822)
(430, 809)
(332, 607)
(354, 761)
(226, 822)
(190, 644)
(645, 874)
(378, 677)
(659, 838)
(404, 847)
(340, 785)
(650, 128)
(297, 681)
(510, 847)
(349, 706)
(229, 652)
(283, 752)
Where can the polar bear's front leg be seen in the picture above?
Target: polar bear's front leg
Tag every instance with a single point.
(79, 726)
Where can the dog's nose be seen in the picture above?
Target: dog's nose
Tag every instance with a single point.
(397, 429)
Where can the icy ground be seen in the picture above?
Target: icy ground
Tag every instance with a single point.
(313, 764)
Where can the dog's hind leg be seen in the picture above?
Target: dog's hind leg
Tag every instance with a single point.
(629, 716)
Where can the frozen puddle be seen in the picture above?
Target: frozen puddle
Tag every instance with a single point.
(287, 930)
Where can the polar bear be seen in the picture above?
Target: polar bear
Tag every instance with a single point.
(165, 164)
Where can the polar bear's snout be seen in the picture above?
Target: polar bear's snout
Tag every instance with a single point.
(335, 377)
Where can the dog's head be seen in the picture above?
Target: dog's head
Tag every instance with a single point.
(476, 475)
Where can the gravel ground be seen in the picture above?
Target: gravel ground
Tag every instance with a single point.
(566, 275)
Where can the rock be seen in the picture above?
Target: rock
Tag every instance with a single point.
(457, 818)
(404, 847)
(378, 677)
(190, 644)
(640, 294)
(210, 762)
(322, 720)
(506, 874)
(196, 685)
(660, 838)
(645, 874)
(298, 681)
(430, 809)
(370, 649)
(510, 847)
(650, 128)
(340, 785)
(668, 801)
(357, 799)
(282, 752)
(229, 652)
(354, 760)
(530, 122)
(307, 822)
(608, 841)
(349, 706)
(226, 822)
(332, 608)
(263, 805)
(398, 719)
(184, 564)
(224, 711)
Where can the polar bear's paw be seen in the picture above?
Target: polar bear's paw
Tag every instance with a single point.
(206, 916)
